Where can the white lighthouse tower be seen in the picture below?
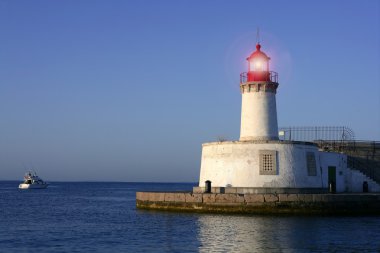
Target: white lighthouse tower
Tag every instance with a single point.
(258, 87)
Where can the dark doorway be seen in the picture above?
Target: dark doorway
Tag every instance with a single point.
(332, 179)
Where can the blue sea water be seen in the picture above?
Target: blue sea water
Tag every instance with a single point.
(102, 217)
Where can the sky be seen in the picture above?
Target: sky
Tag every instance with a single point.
(129, 90)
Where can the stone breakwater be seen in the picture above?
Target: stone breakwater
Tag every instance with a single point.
(349, 204)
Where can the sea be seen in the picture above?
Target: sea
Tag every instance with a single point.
(102, 217)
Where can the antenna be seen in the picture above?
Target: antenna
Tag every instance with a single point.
(258, 35)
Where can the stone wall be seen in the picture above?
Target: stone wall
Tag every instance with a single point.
(261, 203)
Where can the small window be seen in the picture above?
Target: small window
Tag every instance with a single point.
(311, 164)
(268, 165)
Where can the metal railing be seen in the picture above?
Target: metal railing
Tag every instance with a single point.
(361, 155)
(273, 77)
(370, 168)
(316, 133)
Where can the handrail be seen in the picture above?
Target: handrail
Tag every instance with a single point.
(317, 133)
(273, 77)
(367, 167)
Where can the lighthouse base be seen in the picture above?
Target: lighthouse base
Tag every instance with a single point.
(263, 138)
(260, 190)
(261, 164)
(273, 166)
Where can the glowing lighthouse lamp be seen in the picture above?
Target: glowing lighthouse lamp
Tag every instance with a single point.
(258, 87)
(258, 65)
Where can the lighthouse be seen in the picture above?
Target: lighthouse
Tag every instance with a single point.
(260, 172)
(260, 162)
(258, 87)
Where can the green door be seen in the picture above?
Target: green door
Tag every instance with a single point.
(332, 178)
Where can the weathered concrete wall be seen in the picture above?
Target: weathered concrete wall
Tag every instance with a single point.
(260, 190)
(237, 164)
(348, 180)
(340, 162)
(354, 182)
(261, 203)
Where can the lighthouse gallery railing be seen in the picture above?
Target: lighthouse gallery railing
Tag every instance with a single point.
(273, 77)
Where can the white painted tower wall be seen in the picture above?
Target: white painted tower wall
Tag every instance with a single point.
(258, 116)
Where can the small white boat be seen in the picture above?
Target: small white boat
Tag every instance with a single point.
(32, 181)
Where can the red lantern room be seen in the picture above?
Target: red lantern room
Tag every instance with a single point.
(258, 66)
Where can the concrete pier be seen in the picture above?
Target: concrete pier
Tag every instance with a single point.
(261, 203)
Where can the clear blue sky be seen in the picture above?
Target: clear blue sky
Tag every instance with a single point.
(129, 90)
